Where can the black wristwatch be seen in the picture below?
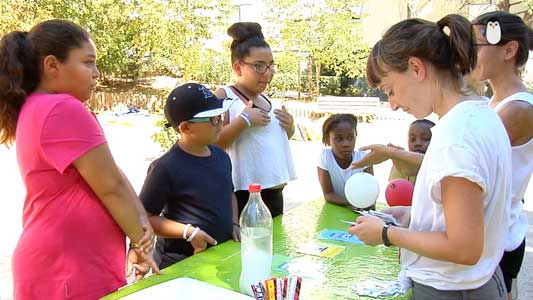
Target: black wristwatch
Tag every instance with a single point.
(384, 235)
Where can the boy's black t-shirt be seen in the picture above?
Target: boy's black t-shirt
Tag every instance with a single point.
(191, 190)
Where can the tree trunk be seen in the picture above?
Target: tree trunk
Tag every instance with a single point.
(310, 77)
(317, 75)
(299, 81)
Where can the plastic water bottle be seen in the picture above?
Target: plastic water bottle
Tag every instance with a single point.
(256, 241)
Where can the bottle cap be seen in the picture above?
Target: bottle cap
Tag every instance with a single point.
(254, 188)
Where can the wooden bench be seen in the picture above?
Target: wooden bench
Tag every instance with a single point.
(353, 105)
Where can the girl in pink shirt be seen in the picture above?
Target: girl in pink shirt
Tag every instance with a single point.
(79, 207)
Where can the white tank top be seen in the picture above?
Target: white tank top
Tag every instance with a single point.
(522, 161)
(260, 154)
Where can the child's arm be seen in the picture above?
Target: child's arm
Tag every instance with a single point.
(145, 221)
(167, 228)
(99, 170)
(327, 188)
(232, 130)
(406, 162)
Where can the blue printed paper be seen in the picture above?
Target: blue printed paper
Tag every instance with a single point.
(339, 235)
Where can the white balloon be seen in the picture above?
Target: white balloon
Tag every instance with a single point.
(361, 190)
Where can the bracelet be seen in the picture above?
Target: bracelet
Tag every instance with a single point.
(384, 235)
(134, 245)
(246, 118)
(236, 224)
(185, 231)
(193, 234)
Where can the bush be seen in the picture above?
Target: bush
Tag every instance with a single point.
(167, 136)
(281, 83)
(212, 68)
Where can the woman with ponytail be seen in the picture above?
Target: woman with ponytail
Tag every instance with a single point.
(79, 207)
(453, 236)
(499, 62)
(255, 131)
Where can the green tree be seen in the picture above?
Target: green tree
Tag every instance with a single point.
(133, 37)
(328, 31)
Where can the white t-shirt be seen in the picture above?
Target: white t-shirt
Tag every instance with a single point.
(470, 141)
(260, 154)
(338, 175)
(522, 156)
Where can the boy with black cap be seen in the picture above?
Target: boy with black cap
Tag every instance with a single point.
(188, 191)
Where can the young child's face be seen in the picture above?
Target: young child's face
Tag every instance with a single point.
(419, 137)
(342, 140)
(257, 69)
(207, 132)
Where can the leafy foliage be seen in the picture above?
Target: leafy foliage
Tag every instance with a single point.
(328, 31)
(165, 137)
(133, 37)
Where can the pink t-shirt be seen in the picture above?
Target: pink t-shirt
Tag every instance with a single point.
(70, 246)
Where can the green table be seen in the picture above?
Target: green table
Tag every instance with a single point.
(221, 265)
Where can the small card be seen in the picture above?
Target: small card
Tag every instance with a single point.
(339, 235)
(320, 249)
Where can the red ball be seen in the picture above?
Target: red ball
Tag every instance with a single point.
(399, 192)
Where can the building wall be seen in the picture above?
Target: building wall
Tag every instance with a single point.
(379, 15)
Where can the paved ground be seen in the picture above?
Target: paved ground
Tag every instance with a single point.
(129, 139)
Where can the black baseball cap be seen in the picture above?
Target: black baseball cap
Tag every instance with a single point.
(193, 100)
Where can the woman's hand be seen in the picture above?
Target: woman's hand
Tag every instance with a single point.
(368, 230)
(140, 262)
(402, 214)
(378, 154)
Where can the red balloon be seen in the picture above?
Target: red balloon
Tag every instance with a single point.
(399, 192)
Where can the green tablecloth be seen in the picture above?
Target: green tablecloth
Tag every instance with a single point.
(221, 265)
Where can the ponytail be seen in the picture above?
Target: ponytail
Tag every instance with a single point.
(18, 78)
(463, 54)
